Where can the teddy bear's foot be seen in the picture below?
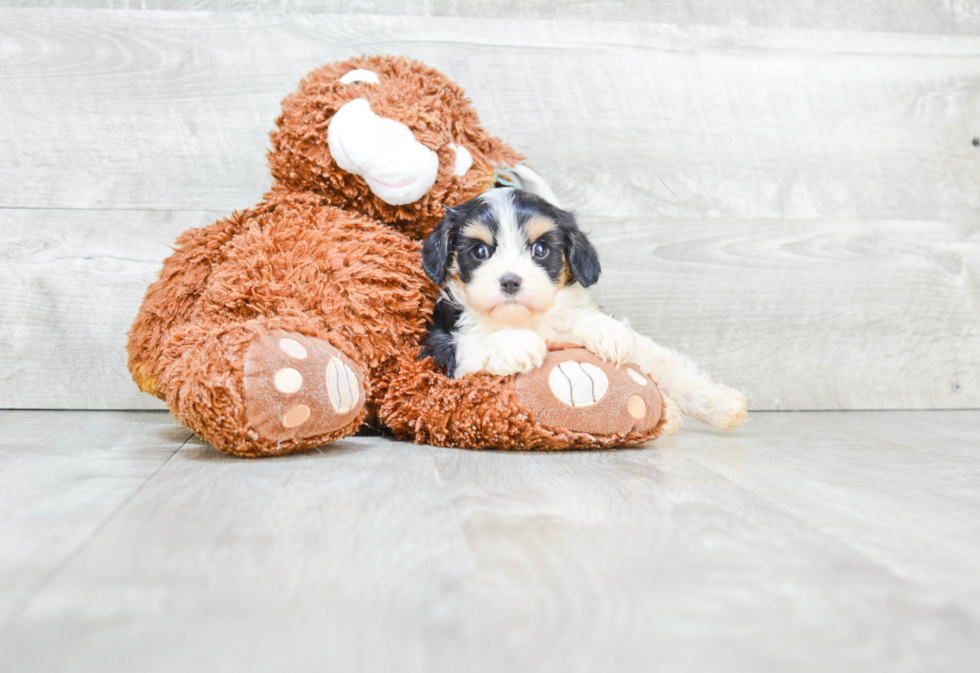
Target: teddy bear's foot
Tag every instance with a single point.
(577, 391)
(298, 387)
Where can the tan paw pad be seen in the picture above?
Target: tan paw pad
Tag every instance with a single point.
(341, 386)
(637, 376)
(293, 348)
(577, 391)
(297, 386)
(578, 384)
(296, 416)
(288, 380)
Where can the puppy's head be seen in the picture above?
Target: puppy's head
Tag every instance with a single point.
(506, 253)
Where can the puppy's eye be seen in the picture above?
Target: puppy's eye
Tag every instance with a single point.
(540, 250)
(481, 252)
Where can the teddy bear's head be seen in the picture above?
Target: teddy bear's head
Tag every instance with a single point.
(391, 138)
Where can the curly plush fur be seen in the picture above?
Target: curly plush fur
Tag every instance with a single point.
(323, 257)
(434, 108)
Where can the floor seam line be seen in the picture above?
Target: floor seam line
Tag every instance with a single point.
(32, 595)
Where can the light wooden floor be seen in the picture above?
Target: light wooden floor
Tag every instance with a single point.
(832, 541)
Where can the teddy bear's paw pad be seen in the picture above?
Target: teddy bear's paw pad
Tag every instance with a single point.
(297, 386)
(577, 391)
(578, 384)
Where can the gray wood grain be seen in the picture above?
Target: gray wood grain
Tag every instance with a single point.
(841, 541)
(915, 16)
(349, 558)
(794, 208)
(62, 477)
(73, 281)
(818, 314)
(171, 110)
(775, 549)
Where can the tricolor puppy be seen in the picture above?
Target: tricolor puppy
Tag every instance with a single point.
(513, 269)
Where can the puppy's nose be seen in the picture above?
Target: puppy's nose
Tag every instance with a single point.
(510, 283)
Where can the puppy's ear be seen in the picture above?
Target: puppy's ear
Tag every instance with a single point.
(583, 260)
(437, 246)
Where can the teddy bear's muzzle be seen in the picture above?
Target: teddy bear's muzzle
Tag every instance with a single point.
(383, 152)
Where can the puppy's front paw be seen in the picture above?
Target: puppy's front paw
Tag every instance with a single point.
(730, 411)
(514, 352)
(611, 340)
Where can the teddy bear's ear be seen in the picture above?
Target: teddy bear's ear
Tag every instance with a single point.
(437, 246)
(534, 183)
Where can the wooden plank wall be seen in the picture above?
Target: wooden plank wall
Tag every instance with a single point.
(788, 195)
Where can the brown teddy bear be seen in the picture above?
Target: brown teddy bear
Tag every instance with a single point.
(294, 323)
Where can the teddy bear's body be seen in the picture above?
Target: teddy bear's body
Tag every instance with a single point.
(292, 324)
(292, 263)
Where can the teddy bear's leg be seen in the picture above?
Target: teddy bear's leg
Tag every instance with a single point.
(169, 303)
(266, 386)
(573, 401)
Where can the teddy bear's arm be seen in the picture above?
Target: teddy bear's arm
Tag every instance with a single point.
(573, 400)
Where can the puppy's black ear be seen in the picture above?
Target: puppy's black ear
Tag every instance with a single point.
(437, 245)
(583, 260)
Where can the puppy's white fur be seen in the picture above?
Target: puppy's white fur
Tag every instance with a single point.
(505, 334)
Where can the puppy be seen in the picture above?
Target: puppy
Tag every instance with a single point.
(513, 269)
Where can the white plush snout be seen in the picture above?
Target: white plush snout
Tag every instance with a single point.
(397, 168)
